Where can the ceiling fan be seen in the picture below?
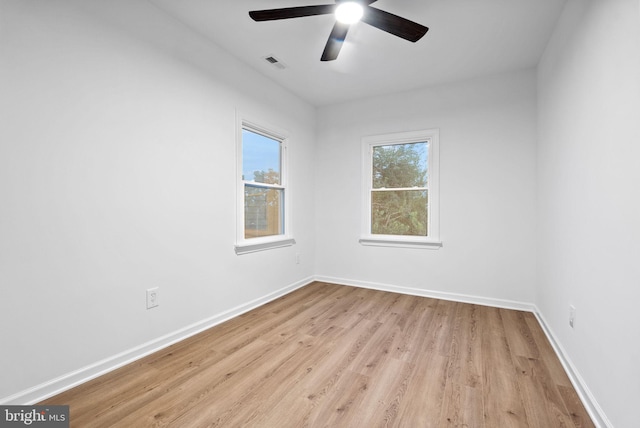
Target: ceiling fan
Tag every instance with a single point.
(347, 12)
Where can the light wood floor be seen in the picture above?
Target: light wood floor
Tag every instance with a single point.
(336, 356)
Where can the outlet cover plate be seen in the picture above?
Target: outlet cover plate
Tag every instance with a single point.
(152, 297)
(572, 315)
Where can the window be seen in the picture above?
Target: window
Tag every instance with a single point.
(263, 219)
(400, 197)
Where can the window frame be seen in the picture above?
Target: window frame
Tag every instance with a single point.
(432, 240)
(249, 245)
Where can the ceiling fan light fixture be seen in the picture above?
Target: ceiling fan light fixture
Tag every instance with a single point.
(349, 12)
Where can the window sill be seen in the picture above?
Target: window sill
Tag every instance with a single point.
(400, 242)
(252, 247)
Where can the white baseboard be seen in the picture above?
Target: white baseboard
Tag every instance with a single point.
(67, 381)
(588, 400)
(464, 298)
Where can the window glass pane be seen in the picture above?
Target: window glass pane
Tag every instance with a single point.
(400, 165)
(399, 212)
(262, 211)
(260, 158)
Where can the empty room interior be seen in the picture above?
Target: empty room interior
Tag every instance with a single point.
(202, 222)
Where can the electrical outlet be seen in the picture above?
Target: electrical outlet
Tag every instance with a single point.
(572, 315)
(152, 297)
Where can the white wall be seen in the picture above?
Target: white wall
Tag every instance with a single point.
(487, 189)
(117, 147)
(588, 198)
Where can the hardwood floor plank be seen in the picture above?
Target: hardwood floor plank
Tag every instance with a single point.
(518, 334)
(347, 394)
(546, 351)
(462, 407)
(228, 377)
(255, 395)
(387, 392)
(501, 393)
(577, 412)
(414, 334)
(555, 373)
(337, 356)
(422, 403)
(462, 404)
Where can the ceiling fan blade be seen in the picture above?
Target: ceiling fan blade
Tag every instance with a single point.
(336, 38)
(292, 12)
(394, 24)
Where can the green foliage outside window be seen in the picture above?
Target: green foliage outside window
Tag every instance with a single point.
(399, 197)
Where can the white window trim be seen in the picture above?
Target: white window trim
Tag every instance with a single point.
(242, 245)
(433, 217)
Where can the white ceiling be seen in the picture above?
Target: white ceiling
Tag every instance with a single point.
(466, 39)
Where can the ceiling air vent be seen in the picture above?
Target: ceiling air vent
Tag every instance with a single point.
(275, 62)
